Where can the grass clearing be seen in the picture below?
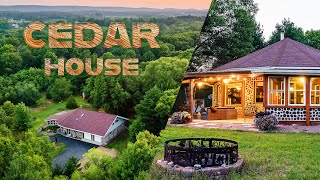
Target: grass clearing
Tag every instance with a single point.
(266, 155)
(48, 107)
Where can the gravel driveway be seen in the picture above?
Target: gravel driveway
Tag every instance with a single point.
(74, 148)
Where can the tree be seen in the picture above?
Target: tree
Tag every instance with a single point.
(98, 164)
(25, 166)
(165, 104)
(70, 166)
(7, 148)
(10, 60)
(313, 38)
(166, 73)
(230, 31)
(27, 93)
(136, 158)
(146, 112)
(22, 117)
(71, 103)
(290, 31)
(60, 90)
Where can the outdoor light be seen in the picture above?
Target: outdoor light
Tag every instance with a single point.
(226, 80)
(200, 84)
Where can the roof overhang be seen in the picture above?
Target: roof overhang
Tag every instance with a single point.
(258, 70)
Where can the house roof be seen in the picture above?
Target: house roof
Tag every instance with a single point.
(84, 120)
(285, 54)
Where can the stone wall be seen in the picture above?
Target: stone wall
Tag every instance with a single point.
(289, 114)
(315, 114)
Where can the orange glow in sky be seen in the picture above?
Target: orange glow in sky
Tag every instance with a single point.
(181, 4)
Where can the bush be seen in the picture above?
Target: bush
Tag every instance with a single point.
(180, 117)
(71, 103)
(134, 129)
(60, 90)
(136, 158)
(265, 121)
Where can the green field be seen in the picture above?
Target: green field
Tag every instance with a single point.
(266, 155)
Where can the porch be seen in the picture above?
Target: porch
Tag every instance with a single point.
(224, 97)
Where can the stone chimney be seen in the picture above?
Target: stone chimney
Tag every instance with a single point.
(281, 35)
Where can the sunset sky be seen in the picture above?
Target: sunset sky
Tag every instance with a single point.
(181, 4)
(305, 15)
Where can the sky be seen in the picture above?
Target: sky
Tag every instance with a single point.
(305, 14)
(180, 4)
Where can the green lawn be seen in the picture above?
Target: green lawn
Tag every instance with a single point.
(266, 155)
(120, 143)
(46, 107)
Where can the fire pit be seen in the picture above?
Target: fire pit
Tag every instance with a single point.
(207, 152)
(210, 156)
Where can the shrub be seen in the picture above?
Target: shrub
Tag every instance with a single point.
(134, 129)
(265, 121)
(180, 117)
(71, 103)
(136, 158)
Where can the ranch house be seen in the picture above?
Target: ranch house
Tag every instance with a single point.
(89, 126)
(283, 78)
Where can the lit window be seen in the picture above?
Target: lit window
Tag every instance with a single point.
(234, 94)
(297, 91)
(276, 90)
(315, 91)
(259, 92)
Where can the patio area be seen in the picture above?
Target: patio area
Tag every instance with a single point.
(247, 124)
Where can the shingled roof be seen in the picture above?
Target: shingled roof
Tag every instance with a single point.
(286, 53)
(84, 120)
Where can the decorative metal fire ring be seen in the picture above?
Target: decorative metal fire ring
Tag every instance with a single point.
(205, 152)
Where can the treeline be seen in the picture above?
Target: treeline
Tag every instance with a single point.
(231, 31)
(24, 154)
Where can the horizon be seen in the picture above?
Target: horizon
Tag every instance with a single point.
(154, 4)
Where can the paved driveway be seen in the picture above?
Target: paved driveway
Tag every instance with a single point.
(74, 148)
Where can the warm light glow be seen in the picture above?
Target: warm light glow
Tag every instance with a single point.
(252, 75)
(238, 88)
(219, 78)
(210, 78)
(205, 79)
(226, 80)
(238, 78)
(200, 84)
(291, 88)
(233, 76)
(245, 79)
(302, 79)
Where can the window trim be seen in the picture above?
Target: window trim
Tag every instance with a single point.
(284, 90)
(304, 92)
(226, 95)
(255, 93)
(313, 91)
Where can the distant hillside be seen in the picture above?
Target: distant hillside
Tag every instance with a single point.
(99, 11)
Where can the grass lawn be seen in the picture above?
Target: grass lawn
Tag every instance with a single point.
(46, 108)
(266, 155)
(120, 143)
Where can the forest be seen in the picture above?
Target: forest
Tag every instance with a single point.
(146, 99)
